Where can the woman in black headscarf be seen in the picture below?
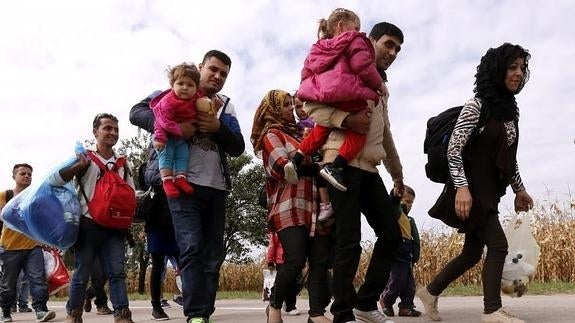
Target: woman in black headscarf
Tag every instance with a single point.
(482, 155)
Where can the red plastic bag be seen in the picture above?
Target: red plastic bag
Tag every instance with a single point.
(56, 272)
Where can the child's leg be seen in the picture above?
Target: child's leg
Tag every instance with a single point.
(325, 209)
(395, 284)
(312, 143)
(166, 164)
(352, 144)
(407, 294)
(181, 159)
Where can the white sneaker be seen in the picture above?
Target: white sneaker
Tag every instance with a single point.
(325, 211)
(290, 174)
(429, 303)
(500, 316)
(374, 316)
(293, 312)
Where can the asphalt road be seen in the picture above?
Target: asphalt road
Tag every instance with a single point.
(540, 309)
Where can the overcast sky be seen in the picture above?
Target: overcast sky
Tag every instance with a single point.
(61, 62)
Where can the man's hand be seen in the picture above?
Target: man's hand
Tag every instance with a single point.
(82, 163)
(207, 123)
(159, 146)
(523, 201)
(358, 122)
(463, 202)
(188, 129)
(398, 188)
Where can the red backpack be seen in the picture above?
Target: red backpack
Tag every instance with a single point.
(113, 204)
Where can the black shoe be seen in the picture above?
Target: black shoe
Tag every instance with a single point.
(178, 299)
(409, 312)
(87, 305)
(164, 303)
(158, 314)
(334, 176)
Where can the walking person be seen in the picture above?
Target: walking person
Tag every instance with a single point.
(482, 163)
(366, 193)
(94, 238)
(292, 207)
(161, 238)
(199, 219)
(401, 281)
(21, 253)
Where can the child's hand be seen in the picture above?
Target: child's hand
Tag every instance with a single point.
(159, 146)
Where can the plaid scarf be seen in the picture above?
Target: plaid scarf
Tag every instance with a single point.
(268, 116)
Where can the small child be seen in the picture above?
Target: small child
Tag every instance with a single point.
(172, 107)
(339, 71)
(401, 281)
(305, 124)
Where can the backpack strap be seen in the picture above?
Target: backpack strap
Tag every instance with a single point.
(97, 160)
(9, 195)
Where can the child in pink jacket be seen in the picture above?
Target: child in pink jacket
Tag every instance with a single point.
(339, 71)
(172, 107)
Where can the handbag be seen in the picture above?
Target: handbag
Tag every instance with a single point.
(144, 205)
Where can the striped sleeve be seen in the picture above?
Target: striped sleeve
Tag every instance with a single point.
(516, 182)
(466, 123)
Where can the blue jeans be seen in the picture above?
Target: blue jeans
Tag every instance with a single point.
(175, 156)
(32, 262)
(199, 226)
(108, 244)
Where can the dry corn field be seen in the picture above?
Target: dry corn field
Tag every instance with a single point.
(553, 228)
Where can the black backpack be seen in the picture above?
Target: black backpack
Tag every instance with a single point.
(439, 129)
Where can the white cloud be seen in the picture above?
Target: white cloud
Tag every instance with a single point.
(64, 61)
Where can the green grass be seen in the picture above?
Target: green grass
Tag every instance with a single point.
(535, 288)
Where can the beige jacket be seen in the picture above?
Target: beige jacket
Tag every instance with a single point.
(379, 146)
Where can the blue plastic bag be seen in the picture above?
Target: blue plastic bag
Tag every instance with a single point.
(46, 213)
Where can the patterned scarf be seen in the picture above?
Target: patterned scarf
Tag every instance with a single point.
(268, 116)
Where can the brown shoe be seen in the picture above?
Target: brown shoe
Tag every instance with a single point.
(123, 316)
(75, 316)
(104, 310)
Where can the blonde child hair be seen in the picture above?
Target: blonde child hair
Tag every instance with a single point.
(327, 26)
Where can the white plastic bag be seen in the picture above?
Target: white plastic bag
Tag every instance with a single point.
(269, 281)
(522, 258)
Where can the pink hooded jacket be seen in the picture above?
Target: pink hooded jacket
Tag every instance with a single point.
(340, 69)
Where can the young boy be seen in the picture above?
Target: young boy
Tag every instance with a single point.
(401, 281)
